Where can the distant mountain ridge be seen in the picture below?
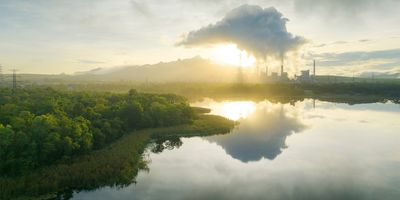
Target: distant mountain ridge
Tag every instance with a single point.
(392, 75)
(194, 69)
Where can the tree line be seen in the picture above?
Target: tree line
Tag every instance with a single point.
(41, 126)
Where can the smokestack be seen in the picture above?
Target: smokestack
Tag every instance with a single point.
(282, 65)
(314, 68)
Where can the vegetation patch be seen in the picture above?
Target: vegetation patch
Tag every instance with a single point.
(115, 165)
(42, 126)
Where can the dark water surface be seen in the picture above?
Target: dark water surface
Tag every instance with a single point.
(309, 150)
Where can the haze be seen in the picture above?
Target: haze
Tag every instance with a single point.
(52, 37)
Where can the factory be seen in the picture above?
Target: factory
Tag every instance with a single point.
(304, 77)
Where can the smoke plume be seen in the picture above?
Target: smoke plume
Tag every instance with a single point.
(259, 31)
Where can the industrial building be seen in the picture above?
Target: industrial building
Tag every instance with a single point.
(304, 77)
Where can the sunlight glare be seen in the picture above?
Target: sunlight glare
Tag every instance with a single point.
(237, 110)
(230, 54)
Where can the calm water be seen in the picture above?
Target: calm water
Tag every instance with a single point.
(309, 150)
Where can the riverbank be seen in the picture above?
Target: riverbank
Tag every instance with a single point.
(115, 165)
(354, 92)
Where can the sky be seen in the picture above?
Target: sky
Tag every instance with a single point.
(50, 37)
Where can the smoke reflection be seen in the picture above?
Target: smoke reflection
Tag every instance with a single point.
(262, 134)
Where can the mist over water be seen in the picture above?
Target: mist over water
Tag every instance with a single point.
(308, 150)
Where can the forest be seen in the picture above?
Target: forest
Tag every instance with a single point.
(41, 126)
(62, 140)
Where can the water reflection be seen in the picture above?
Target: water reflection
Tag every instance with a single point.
(330, 159)
(262, 134)
(162, 143)
(233, 110)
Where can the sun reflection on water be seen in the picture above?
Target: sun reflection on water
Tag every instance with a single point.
(237, 110)
(233, 110)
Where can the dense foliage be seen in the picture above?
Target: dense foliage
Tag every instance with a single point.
(115, 165)
(39, 126)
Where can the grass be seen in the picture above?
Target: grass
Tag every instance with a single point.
(206, 125)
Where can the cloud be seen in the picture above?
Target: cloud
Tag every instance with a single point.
(340, 42)
(383, 63)
(341, 7)
(347, 58)
(89, 61)
(260, 32)
(364, 40)
(319, 45)
(340, 16)
(141, 8)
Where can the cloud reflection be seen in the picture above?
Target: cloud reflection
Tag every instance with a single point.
(262, 134)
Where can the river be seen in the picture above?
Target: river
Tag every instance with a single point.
(301, 150)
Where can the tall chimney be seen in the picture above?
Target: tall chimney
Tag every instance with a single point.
(282, 70)
(314, 68)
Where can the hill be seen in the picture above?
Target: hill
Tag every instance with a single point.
(195, 69)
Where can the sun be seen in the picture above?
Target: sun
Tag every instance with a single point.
(231, 55)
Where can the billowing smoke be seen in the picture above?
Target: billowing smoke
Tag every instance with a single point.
(260, 32)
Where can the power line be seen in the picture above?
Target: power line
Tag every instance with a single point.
(14, 80)
(14, 86)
